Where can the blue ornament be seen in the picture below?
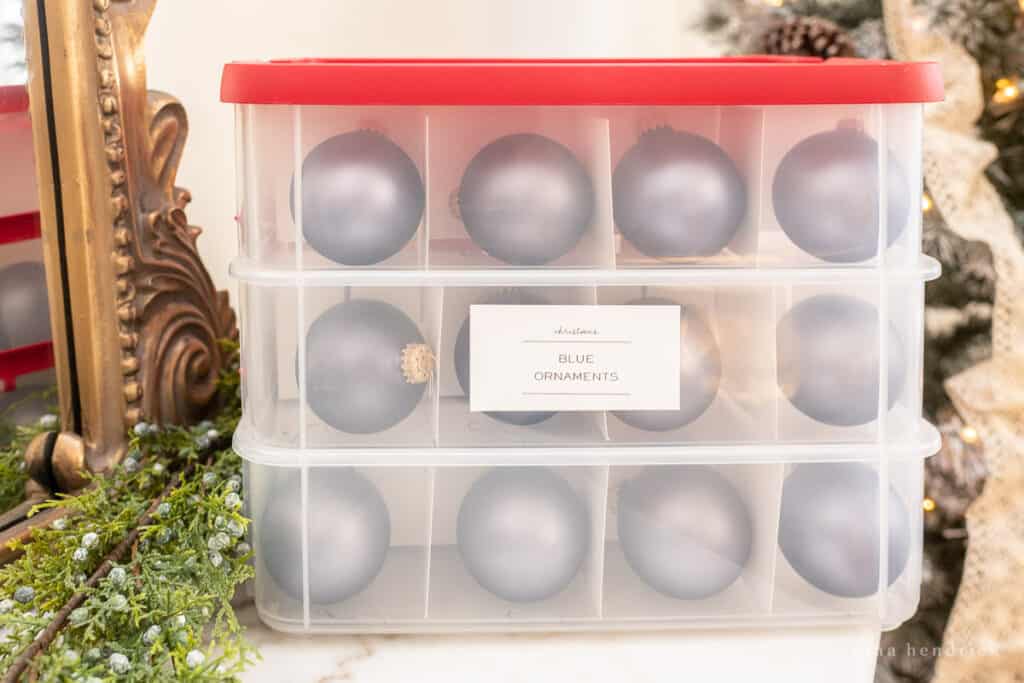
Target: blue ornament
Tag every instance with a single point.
(829, 528)
(24, 306)
(828, 360)
(523, 533)
(363, 198)
(355, 380)
(684, 530)
(678, 195)
(826, 196)
(526, 199)
(349, 531)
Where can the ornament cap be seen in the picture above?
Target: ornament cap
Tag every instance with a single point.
(417, 363)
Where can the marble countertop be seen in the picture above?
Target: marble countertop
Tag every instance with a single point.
(785, 656)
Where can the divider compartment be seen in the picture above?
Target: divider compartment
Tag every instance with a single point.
(421, 307)
(743, 408)
(828, 350)
(900, 601)
(458, 135)
(904, 128)
(629, 596)
(277, 322)
(266, 231)
(897, 129)
(279, 141)
(328, 544)
(455, 595)
(269, 381)
(738, 132)
(835, 565)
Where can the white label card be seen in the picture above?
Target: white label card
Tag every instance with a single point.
(574, 358)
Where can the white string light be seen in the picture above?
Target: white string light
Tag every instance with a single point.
(969, 435)
(1007, 90)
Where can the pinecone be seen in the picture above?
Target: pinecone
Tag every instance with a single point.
(810, 36)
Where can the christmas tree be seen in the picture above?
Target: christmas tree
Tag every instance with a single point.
(959, 306)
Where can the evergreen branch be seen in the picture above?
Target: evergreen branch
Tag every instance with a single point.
(47, 635)
(135, 581)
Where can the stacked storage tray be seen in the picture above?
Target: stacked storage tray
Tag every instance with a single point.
(602, 498)
(29, 354)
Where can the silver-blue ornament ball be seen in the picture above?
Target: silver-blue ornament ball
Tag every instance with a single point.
(24, 306)
(826, 196)
(526, 199)
(828, 360)
(829, 528)
(677, 194)
(362, 198)
(700, 373)
(515, 297)
(685, 530)
(354, 376)
(348, 527)
(523, 533)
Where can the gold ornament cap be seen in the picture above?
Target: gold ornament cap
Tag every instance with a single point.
(417, 363)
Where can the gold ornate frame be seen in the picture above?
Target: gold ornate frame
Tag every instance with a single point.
(136, 317)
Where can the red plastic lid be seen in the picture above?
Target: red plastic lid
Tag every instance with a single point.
(19, 228)
(13, 99)
(24, 361)
(759, 80)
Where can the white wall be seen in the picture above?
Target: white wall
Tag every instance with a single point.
(12, 47)
(189, 41)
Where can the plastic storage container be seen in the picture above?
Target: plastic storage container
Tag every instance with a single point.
(25, 348)
(688, 297)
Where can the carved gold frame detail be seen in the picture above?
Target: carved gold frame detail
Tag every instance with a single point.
(136, 317)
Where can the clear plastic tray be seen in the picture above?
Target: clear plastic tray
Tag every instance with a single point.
(763, 508)
(303, 530)
(274, 140)
(747, 312)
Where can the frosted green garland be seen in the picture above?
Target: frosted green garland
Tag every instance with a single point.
(13, 440)
(12, 463)
(163, 613)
